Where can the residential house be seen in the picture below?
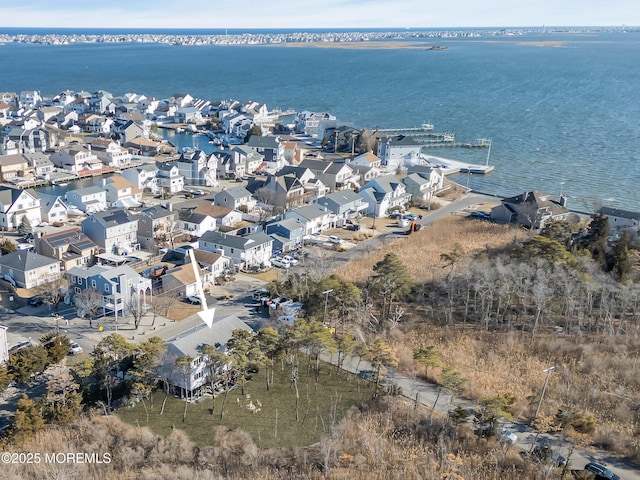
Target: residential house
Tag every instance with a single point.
(314, 123)
(88, 200)
(313, 186)
(182, 281)
(398, 152)
(14, 167)
(316, 218)
(271, 148)
(189, 344)
(25, 139)
(342, 138)
(121, 193)
(531, 209)
(16, 204)
(121, 287)
(366, 174)
(143, 177)
(111, 153)
(53, 208)
(93, 123)
(188, 115)
(253, 250)
(195, 224)
(128, 130)
(367, 159)
(217, 264)
(226, 218)
(30, 99)
(284, 191)
(29, 269)
(252, 159)
(344, 204)
(146, 148)
(71, 248)
(169, 179)
(235, 198)
(384, 194)
(230, 164)
(287, 234)
(76, 159)
(114, 231)
(42, 165)
(621, 219)
(424, 183)
(197, 168)
(157, 224)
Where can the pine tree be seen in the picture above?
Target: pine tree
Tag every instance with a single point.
(28, 420)
(25, 226)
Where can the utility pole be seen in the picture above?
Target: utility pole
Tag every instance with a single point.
(326, 300)
(544, 388)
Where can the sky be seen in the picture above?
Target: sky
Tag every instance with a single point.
(317, 14)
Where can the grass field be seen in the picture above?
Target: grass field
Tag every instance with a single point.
(273, 423)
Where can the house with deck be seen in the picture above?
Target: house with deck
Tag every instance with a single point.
(253, 250)
(384, 194)
(71, 248)
(344, 204)
(114, 231)
(88, 200)
(531, 210)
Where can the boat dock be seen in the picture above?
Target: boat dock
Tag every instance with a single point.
(450, 167)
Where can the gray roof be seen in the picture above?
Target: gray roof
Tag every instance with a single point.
(156, 211)
(25, 261)
(311, 212)
(111, 218)
(233, 241)
(342, 197)
(235, 192)
(617, 212)
(188, 343)
(290, 223)
(192, 217)
(257, 141)
(388, 183)
(9, 195)
(87, 190)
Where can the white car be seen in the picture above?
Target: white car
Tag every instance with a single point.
(280, 262)
(335, 239)
(290, 259)
(75, 349)
(508, 436)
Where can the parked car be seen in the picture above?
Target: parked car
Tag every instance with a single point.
(480, 214)
(354, 227)
(280, 262)
(75, 349)
(290, 259)
(394, 215)
(259, 294)
(508, 436)
(36, 301)
(335, 239)
(193, 300)
(545, 454)
(601, 471)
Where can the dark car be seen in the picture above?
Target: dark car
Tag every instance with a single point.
(545, 454)
(354, 227)
(480, 214)
(601, 471)
(36, 301)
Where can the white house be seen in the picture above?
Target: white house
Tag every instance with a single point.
(16, 204)
(398, 151)
(251, 250)
(76, 159)
(53, 208)
(169, 178)
(89, 200)
(316, 218)
(143, 177)
(383, 194)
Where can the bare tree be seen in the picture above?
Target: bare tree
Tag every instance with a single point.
(89, 303)
(52, 290)
(136, 307)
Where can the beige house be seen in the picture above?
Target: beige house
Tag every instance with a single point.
(13, 166)
(29, 269)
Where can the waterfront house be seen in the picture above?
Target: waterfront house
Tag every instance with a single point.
(235, 198)
(384, 194)
(88, 200)
(128, 130)
(422, 185)
(29, 269)
(143, 177)
(253, 250)
(620, 219)
(121, 193)
(169, 179)
(53, 208)
(182, 281)
(342, 138)
(14, 167)
(42, 165)
(115, 231)
(344, 204)
(287, 234)
(398, 151)
(146, 148)
(111, 153)
(197, 168)
(16, 204)
(188, 114)
(29, 99)
(71, 248)
(156, 224)
(531, 209)
(195, 224)
(315, 218)
(189, 344)
(121, 287)
(76, 159)
(314, 123)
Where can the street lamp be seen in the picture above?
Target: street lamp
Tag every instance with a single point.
(544, 387)
(326, 299)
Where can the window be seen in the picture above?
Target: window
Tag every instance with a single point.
(77, 290)
(93, 283)
(106, 287)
